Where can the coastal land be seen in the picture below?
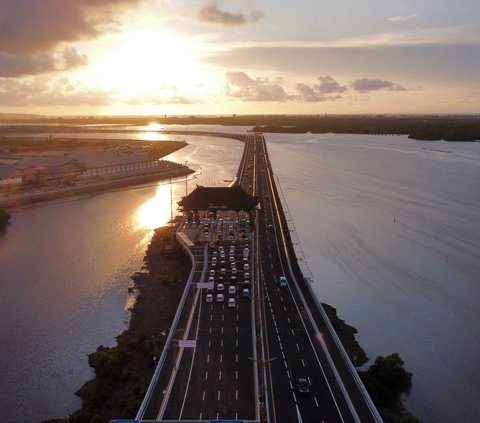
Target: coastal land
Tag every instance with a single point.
(40, 169)
(418, 127)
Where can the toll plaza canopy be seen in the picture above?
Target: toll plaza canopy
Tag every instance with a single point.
(218, 198)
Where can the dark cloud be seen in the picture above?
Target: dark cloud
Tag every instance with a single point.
(212, 14)
(12, 65)
(366, 84)
(327, 89)
(29, 26)
(241, 86)
(31, 32)
(42, 91)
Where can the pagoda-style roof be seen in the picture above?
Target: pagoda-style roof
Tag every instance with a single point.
(221, 198)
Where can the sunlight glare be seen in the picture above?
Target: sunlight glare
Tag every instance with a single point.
(156, 211)
(149, 64)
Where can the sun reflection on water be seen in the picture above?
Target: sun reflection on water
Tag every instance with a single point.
(156, 211)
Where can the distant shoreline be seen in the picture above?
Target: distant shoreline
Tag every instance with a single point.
(459, 128)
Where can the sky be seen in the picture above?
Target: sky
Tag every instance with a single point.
(222, 57)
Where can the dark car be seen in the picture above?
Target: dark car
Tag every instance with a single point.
(303, 386)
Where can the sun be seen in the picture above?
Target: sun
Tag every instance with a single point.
(144, 64)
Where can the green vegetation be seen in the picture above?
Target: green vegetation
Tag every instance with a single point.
(386, 381)
(4, 219)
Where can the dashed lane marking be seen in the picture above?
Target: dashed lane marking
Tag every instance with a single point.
(206, 375)
(220, 375)
(316, 402)
(203, 396)
(208, 358)
(303, 362)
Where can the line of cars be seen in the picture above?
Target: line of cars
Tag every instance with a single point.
(229, 273)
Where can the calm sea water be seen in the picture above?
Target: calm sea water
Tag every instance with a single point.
(389, 227)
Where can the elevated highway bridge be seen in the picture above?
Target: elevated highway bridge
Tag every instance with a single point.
(250, 341)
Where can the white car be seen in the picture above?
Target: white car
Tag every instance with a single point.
(220, 298)
(232, 289)
(231, 302)
(209, 298)
(220, 287)
(246, 266)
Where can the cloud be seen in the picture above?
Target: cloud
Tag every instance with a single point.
(366, 84)
(42, 91)
(403, 18)
(241, 86)
(212, 14)
(327, 89)
(34, 33)
(12, 65)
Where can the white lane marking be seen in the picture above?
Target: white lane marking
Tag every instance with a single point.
(316, 402)
(293, 332)
(276, 329)
(208, 358)
(211, 317)
(278, 337)
(236, 374)
(210, 329)
(220, 375)
(218, 399)
(201, 414)
(298, 348)
(285, 364)
(290, 382)
(237, 317)
(281, 346)
(285, 308)
(288, 319)
(221, 342)
(236, 397)
(223, 317)
(281, 298)
(271, 266)
(283, 355)
(274, 323)
(236, 342)
(206, 375)
(221, 358)
(203, 396)
(222, 329)
(209, 342)
(236, 329)
(289, 375)
(236, 358)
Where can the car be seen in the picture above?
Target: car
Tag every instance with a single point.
(212, 272)
(220, 298)
(246, 292)
(209, 298)
(232, 289)
(246, 266)
(232, 302)
(234, 270)
(222, 271)
(303, 385)
(211, 279)
(220, 287)
(246, 276)
(283, 281)
(232, 259)
(270, 227)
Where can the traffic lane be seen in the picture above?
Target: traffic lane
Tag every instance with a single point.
(215, 375)
(300, 346)
(280, 390)
(303, 362)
